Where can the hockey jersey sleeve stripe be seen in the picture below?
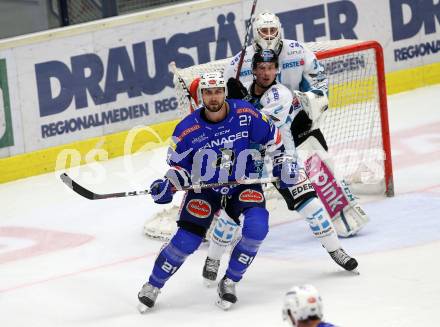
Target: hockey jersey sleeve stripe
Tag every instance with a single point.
(188, 131)
(179, 177)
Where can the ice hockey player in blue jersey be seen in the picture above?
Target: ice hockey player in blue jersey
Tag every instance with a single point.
(213, 145)
(303, 307)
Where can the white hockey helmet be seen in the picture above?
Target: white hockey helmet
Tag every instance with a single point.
(211, 80)
(267, 20)
(301, 303)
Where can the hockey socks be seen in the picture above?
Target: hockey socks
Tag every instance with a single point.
(222, 236)
(320, 224)
(255, 228)
(173, 255)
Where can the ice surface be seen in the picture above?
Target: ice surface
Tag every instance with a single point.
(68, 261)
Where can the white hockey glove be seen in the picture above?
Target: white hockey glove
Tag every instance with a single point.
(314, 104)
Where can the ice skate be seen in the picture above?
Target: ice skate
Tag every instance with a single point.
(226, 293)
(344, 260)
(210, 270)
(147, 297)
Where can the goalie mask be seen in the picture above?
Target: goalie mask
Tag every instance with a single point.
(302, 303)
(267, 31)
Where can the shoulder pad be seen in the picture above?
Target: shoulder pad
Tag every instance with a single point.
(292, 44)
(276, 102)
(277, 93)
(185, 127)
(234, 59)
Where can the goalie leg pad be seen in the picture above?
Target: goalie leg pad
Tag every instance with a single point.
(346, 214)
(326, 186)
(172, 256)
(352, 218)
(320, 224)
(222, 235)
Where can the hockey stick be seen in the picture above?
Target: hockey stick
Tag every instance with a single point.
(246, 40)
(173, 67)
(77, 188)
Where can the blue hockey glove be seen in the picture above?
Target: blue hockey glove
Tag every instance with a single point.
(161, 191)
(285, 168)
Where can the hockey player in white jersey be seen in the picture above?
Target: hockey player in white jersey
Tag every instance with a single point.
(275, 100)
(302, 74)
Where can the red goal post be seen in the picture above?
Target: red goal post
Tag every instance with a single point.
(356, 124)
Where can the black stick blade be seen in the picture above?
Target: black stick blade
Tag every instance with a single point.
(77, 188)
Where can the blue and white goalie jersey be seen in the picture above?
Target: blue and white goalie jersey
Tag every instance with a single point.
(221, 152)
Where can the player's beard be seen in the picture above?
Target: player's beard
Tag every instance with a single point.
(214, 106)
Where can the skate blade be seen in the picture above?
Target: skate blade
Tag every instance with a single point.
(224, 305)
(355, 272)
(209, 283)
(143, 308)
